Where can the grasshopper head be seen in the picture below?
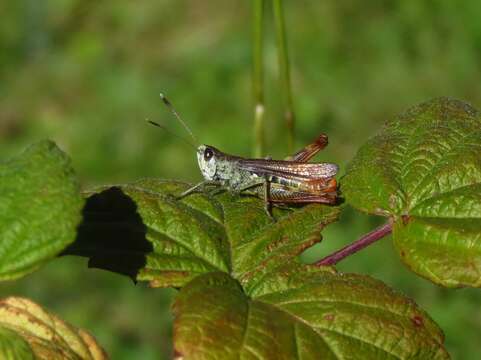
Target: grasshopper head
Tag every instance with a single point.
(206, 156)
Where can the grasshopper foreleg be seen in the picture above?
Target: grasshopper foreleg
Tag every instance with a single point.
(217, 190)
(250, 186)
(200, 186)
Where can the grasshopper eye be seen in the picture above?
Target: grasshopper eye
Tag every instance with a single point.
(208, 154)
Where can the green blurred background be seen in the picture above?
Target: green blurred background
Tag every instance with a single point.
(88, 73)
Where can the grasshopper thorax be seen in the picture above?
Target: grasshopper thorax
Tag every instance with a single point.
(206, 156)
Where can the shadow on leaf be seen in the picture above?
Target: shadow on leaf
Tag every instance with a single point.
(112, 234)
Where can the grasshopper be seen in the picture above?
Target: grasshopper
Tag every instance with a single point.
(289, 181)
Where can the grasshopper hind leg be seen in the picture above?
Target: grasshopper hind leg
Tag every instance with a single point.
(285, 196)
(306, 153)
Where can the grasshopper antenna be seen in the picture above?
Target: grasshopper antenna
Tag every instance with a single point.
(172, 110)
(170, 132)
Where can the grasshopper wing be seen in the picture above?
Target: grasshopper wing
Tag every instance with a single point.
(289, 169)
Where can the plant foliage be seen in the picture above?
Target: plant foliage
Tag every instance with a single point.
(27, 331)
(40, 204)
(423, 170)
(243, 290)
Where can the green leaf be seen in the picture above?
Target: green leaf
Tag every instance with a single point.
(29, 332)
(424, 171)
(244, 291)
(323, 315)
(40, 206)
(143, 231)
(13, 346)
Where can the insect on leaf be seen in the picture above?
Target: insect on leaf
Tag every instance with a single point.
(244, 293)
(143, 231)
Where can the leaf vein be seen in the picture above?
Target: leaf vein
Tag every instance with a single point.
(317, 328)
(439, 161)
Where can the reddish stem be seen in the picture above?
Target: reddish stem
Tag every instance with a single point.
(357, 245)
